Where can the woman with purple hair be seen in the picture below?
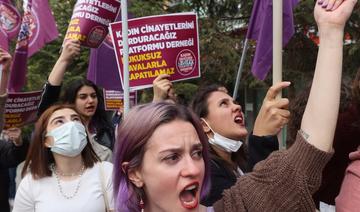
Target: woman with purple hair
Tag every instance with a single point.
(175, 172)
(161, 155)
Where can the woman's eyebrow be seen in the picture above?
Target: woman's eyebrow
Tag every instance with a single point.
(56, 118)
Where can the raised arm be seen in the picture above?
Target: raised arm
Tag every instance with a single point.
(319, 120)
(52, 88)
(273, 115)
(70, 50)
(286, 180)
(5, 61)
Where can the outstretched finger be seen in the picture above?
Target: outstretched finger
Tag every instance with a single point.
(275, 89)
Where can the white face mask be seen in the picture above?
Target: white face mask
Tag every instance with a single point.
(227, 144)
(69, 139)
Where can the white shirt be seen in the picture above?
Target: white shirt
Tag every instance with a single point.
(44, 194)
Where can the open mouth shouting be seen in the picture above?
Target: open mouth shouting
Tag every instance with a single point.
(239, 119)
(189, 196)
(90, 109)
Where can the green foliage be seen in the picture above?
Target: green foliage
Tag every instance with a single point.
(222, 27)
(185, 92)
(41, 63)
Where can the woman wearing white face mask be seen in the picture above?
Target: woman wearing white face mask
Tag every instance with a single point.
(65, 174)
(224, 124)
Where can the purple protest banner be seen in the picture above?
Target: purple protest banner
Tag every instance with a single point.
(42, 25)
(21, 108)
(166, 44)
(38, 27)
(114, 100)
(18, 67)
(10, 19)
(4, 42)
(260, 29)
(90, 20)
(103, 69)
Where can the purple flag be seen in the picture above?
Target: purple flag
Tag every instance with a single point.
(44, 28)
(10, 19)
(260, 29)
(103, 70)
(38, 27)
(4, 42)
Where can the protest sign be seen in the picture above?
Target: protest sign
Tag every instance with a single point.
(21, 108)
(114, 100)
(102, 69)
(37, 28)
(90, 20)
(166, 44)
(1, 72)
(4, 42)
(10, 19)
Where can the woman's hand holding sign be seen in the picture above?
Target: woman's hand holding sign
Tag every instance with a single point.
(70, 50)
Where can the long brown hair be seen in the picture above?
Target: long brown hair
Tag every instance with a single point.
(200, 107)
(40, 157)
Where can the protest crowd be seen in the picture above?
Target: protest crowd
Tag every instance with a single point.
(170, 154)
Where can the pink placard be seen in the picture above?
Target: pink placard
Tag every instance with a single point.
(166, 44)
(90, 20)
(21, 108)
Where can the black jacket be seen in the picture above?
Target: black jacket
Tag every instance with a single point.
(259, 148)
(51, 95)
(10, 156)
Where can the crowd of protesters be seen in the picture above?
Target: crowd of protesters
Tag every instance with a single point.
(166, 156)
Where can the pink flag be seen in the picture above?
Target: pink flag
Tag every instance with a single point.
(38, 27)
(43, 26)
(4, 42)
(10, 19)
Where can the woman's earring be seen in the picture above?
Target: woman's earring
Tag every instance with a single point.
(142, 205)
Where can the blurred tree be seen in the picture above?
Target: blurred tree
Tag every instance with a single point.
(222, 29)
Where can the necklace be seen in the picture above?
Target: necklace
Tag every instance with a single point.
(80, 173)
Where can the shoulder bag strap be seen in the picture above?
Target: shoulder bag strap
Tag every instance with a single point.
(107, 209)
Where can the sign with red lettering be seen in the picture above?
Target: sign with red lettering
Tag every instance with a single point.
(21, 108)
(90, 20)
(165, 44)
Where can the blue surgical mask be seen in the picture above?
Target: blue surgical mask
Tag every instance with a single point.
(69, 139)
(227, 144)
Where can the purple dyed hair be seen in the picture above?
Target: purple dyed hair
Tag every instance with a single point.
(133, 135)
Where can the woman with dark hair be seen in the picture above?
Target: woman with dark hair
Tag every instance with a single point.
(223, 122)
(86, 97)
(161, 162)
(62, 171)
